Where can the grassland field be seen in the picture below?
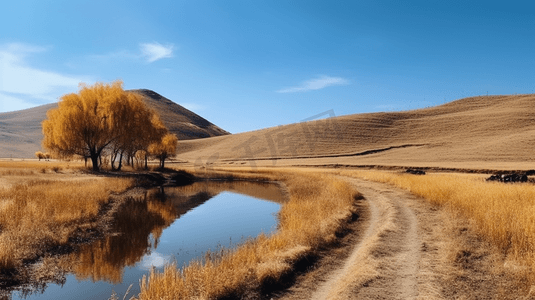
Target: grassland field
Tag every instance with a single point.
(40, 210)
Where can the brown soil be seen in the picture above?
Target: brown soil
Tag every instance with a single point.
(405, 248)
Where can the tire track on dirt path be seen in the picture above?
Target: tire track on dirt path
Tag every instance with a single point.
(403, 247)
(396, 256)
(386, 263)
(336, 278)
(394, 250)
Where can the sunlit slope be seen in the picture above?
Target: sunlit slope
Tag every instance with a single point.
(20, 131)
(477, 129)
(179, 120)
(21, 135)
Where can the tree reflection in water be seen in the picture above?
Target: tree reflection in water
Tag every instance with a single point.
(140, 222)
(137, 227)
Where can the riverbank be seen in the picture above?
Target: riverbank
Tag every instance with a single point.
(49, 210)
(310, 220)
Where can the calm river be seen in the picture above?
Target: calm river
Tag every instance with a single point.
(176, 224)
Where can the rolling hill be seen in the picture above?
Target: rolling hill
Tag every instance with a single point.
(496, 132)
(184, 123)
(21, 136)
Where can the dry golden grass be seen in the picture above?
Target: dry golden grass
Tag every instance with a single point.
(33, 167)
(308, 220)
(39, 214)
(13, 172)
(477, 132)
(36, 164)
(503, 213)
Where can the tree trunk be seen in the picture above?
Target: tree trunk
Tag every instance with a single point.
(146, 159)
(120, 162)
(94, 160)
(113, 158)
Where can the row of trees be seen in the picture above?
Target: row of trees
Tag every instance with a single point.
(103, 119)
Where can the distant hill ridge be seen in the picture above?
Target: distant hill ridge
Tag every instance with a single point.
(179, 120)
(467, 132)
(21, 135)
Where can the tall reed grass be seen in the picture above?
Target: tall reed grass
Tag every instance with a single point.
(33, 165)
(319, 206)
(503, 213)
(40, 214)
(34, 168)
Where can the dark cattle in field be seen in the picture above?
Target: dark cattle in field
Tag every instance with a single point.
(515, 177)
(415, 172)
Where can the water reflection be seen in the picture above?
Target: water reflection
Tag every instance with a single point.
(139, 225)
(134, 223)
(137, 229)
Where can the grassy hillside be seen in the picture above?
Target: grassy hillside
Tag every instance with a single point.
(477, 132)
(179, 120)
(21, 136)
(20, 131)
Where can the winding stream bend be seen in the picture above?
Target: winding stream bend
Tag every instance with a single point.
(171, 224)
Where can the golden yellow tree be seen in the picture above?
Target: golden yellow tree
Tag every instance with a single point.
(165, 148)
(97, 118)
(40, 155)
(140, 128)
(151, 134)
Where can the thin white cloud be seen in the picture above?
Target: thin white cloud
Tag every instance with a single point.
(113, 56)
(315, 84)
(149, 52)
(23, 49)
(155, 51)
(24, 84)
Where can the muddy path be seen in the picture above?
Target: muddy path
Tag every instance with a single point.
(402, 247)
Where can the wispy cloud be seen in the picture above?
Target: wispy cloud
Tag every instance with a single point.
(23, 49)
(315, 84)
(149, 52)
(155, 51)
(25, 84)
(114, 56)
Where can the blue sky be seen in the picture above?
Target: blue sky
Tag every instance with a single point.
(246, 65)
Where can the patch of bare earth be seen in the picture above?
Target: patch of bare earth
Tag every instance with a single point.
(402, 247)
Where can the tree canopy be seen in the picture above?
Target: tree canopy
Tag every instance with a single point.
(99, 119)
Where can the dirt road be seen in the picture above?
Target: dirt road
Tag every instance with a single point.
(403, 248)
